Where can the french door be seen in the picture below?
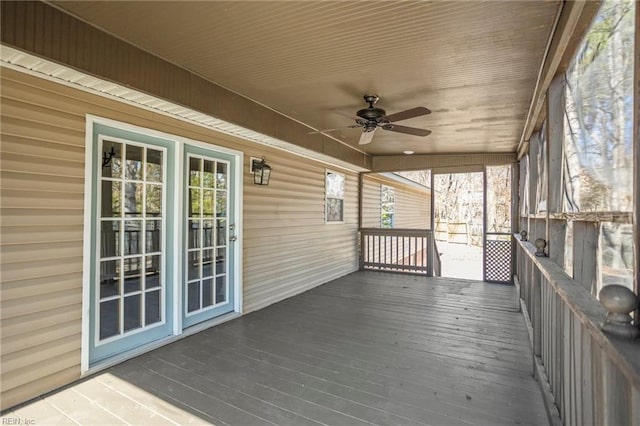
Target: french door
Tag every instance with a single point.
(209, 234)
(131, 289)
(162, 258)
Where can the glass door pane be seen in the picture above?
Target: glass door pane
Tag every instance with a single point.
(206, 287)
(132, 239)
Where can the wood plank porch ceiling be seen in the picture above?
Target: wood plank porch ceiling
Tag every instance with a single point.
(368, 348)
(473, 63)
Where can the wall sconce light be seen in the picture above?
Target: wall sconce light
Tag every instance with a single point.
(540, 244)
(107, 157)
(523, 235)
(261, 171)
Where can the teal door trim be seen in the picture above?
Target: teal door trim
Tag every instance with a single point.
(109, 347)
(97, 354)
(190, 315)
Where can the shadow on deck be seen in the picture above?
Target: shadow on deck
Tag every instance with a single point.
(368, 348)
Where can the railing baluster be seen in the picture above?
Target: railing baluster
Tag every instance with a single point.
(386, 247)
(396, 242)
(403, 250)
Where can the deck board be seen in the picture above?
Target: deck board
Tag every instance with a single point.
(368, 348)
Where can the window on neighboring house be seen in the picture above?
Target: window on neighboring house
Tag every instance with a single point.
(334, 194)
(387, 207)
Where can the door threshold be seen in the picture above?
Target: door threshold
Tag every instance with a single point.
(194, 329)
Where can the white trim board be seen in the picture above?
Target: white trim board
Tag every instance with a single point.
(29, 64)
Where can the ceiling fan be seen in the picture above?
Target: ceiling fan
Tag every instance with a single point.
(370, 118)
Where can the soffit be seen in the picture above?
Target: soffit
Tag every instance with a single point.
(474, 64)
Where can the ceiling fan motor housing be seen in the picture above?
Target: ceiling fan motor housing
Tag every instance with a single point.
(371, 113)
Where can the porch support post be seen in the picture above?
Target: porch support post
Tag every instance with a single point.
(359, 232)
(585, 255)
(515, 210)
(534, 227)
(556, 229)
(360, 198)
(484, 223)
(555, 136)
(636, 164)
(430, 256)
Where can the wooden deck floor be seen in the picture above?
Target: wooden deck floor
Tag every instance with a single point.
(369, 348)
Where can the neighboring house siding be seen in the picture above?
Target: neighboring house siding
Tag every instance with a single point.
(371, 202)
(42, 201)
(412, 205)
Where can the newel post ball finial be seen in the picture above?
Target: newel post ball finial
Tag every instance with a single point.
(523, 235)
(540, 244)
(619, 302)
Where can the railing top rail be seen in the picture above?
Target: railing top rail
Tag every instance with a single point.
(498, 233)
(589, 311)
(402, 232)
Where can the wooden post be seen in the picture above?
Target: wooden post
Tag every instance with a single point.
(557, 235)
(555, 137)
(523, 175)
(515, 213)
(636, 163)
(360, 198)
(534, 145)
(432, 227)
(484, 223)
(361, 239)
(361, 250)
(585, 253)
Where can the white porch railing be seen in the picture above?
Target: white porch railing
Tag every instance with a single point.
(398, 250)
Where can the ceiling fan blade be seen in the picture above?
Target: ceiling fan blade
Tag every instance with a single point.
(366, 137)
(408, 130)
(353, 126)
(409, 113)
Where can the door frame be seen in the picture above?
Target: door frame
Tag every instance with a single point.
(483, 170)
(459, 170)
(485, 226)
(203, 154)
(175, 280)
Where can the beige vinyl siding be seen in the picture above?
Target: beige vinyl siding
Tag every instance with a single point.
(413, 208)
(371, 209)
(412, 204)
(287, 246)
(41, 201)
